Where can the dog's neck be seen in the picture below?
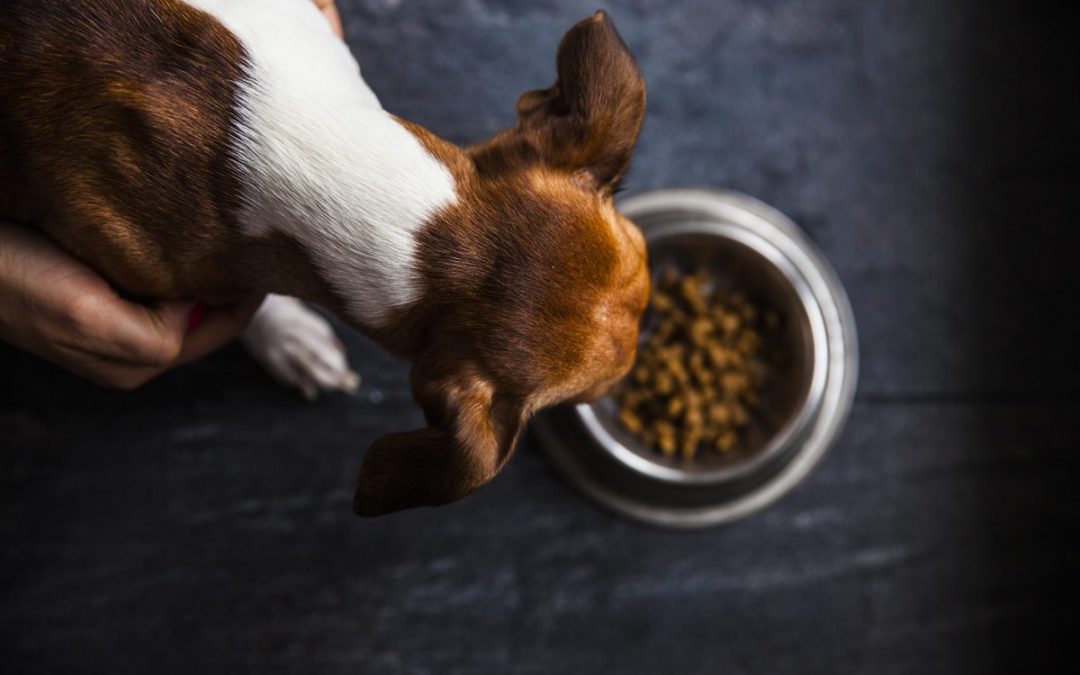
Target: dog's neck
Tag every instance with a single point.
(323, 164)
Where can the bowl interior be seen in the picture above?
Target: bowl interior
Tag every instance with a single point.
(749, 265)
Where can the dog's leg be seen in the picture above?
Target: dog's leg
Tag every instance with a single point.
(299, 348)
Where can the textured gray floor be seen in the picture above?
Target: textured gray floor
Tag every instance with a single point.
(203, 525)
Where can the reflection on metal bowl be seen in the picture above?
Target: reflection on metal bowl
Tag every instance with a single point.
(757, 250)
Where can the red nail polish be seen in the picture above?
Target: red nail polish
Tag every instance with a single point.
(196, 315)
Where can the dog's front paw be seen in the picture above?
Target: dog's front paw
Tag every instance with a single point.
(299, 348)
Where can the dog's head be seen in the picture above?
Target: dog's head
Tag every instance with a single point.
(534, 283)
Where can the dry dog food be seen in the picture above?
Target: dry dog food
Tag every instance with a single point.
(696, 382)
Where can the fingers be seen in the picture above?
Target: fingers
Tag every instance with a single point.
(130, 343)
(160, 341)
(219, 326)
(127, 332)
(159, 336)
(54, 306)
(119, 376)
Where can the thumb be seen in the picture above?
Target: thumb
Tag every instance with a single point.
(148, 333)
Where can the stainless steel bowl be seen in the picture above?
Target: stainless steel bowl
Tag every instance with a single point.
(758, 250)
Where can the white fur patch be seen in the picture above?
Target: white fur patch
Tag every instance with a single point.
(298, 347)
(324, 162)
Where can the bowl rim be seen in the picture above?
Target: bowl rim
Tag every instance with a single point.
(811, 391)
(658, 503)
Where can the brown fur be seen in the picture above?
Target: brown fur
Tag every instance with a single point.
(114, 123)
(125, 160)
(534, 283)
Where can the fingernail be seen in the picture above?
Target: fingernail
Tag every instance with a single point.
(196, 315)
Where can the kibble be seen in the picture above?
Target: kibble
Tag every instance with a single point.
(697, 382)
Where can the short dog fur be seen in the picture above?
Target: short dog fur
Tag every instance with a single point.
(215, 149)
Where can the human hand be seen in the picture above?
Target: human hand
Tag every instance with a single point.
(56, 307)
(330, 11)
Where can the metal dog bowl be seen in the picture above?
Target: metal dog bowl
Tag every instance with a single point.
(760, 251)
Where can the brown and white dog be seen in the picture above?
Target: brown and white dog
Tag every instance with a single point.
(212, 149)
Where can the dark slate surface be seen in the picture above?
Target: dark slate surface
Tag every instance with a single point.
(203, 524)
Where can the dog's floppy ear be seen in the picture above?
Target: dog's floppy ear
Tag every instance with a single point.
(588, 121)
(471, 433)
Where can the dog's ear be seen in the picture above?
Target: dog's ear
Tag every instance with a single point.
(470, 435)
(588, 121)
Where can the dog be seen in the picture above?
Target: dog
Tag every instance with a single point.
(214, 149)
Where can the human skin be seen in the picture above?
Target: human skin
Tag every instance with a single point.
(54, 306)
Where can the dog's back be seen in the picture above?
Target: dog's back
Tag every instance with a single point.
(127, 107)
(503, 269)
